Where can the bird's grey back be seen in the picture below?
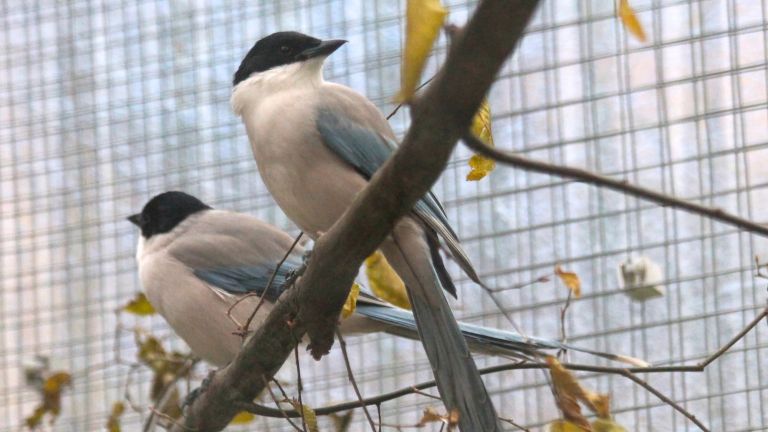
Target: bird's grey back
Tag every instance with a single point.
(226, 239)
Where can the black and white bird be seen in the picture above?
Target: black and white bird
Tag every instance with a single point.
(317, 144)
(195, 262)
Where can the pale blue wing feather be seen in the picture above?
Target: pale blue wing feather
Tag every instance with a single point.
(366, 151)
(251, 279)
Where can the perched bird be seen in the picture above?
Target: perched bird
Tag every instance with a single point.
(195, 262)
(316, 145)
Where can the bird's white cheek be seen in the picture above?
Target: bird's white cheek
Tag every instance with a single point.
(140, 248)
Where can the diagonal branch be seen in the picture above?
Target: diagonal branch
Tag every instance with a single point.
(622, 186)
(313, 305)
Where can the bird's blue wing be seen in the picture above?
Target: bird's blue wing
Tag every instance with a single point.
(250, 279)
(366, 151)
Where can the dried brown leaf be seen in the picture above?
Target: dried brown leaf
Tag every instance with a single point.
(430, 416)
(113, 422)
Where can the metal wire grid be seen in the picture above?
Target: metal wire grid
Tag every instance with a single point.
(107, 103)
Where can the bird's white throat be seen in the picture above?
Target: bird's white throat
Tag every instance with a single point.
(260, 86)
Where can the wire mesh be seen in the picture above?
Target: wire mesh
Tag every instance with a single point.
(104, 104)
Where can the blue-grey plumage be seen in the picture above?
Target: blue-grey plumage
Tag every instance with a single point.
(316, 145)
(196, 262)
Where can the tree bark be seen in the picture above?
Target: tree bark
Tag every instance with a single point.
(440, 118)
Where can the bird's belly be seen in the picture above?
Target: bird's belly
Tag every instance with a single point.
(313, 194)
(193, 310)
(311, 185)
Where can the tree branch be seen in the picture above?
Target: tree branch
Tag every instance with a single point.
(379, 399)
(313, 305)
(622, 186)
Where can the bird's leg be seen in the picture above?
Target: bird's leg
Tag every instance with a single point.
(194, 394)
(295, 274)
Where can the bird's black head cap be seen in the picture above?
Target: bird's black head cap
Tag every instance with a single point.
(283, 48)
(165, 211)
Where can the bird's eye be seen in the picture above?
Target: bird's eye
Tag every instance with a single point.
(285, 50)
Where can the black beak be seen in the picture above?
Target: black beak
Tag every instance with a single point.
(324, 49)
(135, 219)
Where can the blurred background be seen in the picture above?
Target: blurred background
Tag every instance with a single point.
(104, 104)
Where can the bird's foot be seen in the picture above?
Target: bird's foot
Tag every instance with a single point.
(194, 394)
(306, 256)
(295, 274)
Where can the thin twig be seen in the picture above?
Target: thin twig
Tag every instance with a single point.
(758, 268)
(300, 388)
(622, 186)
(126, 391)
(343, 345)
(423, 393)
(665, 399)
(735, 339)
(167, 391)
(507, 313)
(379, 399)
(378, 411)
(242, 330)
(400, 105)
(277, 402)
(169, 419)
(269, 285)
(563, 335)
(510, 421)
(540, 279)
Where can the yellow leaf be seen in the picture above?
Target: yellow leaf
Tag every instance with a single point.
(481, 128)
(606, 425)
(309, 416)
(56, 382)
(113, 422)
(601, 404)
(341, 422)
(151, 352)
(481, 123)
(36, 417)
(349, 305)
(569, 390)
(565, 426)
(570, 279)
(630, 21)
(139, 305)
(243, 417)
(423, 21)
(51, 395)
(481, 166)
(385, 283)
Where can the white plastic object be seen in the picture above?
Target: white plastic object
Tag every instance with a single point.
(641, 278)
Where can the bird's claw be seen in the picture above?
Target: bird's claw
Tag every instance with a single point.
(306, 256)
(296, 273)
(194, 394)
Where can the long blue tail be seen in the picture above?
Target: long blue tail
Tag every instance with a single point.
(482, 339)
